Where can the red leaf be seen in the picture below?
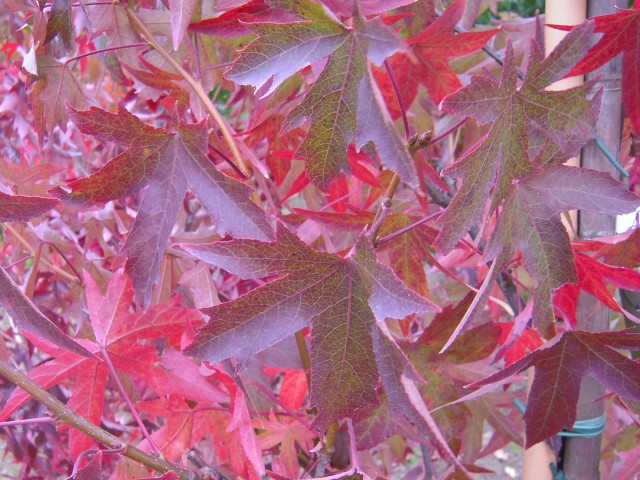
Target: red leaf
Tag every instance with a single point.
(339, 296)
(169, 162)
(592, 276)
(18, 208)
(560, 366)
(436, 45)
(621, 34)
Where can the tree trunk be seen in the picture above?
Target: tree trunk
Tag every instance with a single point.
(582, 455)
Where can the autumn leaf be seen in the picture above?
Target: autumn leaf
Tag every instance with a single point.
(118, 332)
(437, 44)
(20, 208)
(52, 88)
(170, 162)
(344, 105)
(518, 115)
(530, 222)
(286, 434)
(398, 379)
(339, 297)
(621, 34)
(592, 276)
(560, 366)
(407, 252)
(27, 316)
(60, 23)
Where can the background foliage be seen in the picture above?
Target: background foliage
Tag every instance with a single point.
(306, 239)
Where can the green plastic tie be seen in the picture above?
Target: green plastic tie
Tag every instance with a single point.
(589, 428)
(612, 159)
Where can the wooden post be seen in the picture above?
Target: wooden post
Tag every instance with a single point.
(582, 455)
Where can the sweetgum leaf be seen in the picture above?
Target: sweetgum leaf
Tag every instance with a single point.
(339, 297)
(18, 208)
(119, 332)
(283, 49)
(396, 373)
(621, 34)
(565, 121)
(560, 366)
(530, 222)
(169, 162)
(437, 44)
(345, 106)
(60, 23)
(27, 316)
(54, 86)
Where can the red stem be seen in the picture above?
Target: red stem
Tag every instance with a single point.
(103, 50)
(397, 233)
(396, 89)
(132, 407)
(447, 132)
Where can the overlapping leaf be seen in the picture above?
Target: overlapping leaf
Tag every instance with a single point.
(592, 276)
(169, 162)
(621, 34)
(560, 366)
(530, 222)
(27, 316)
(118, 332)
(19, 208)
(437, 44)
(564, 121)
(344, 105)
(340, 297)
(54, 86)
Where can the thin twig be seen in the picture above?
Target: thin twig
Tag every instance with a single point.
(67, 416)
(195, 85)
(132, 408)
(32, 251)
(396, 89)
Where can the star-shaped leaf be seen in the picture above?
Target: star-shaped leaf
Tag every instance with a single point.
(344, 105)
(118, 332)
(530, 222)
(339, 297)
(564, 120)
(169, 161)
(621, 34)
(54, 86)
(437, 44)
(560, 366)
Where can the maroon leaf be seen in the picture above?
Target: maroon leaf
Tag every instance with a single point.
(169, 162)
(560, 366)
(565, 120)
(27, 316)
(338, 296)
(17, 208)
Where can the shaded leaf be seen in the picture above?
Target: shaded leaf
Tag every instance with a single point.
(437, 44)
(54, 86)
(560, 366)
(181, 12)
(169, 162)
(27, 316)
(565, 120)
(18, 208)
(60, 23)
(338, 296)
